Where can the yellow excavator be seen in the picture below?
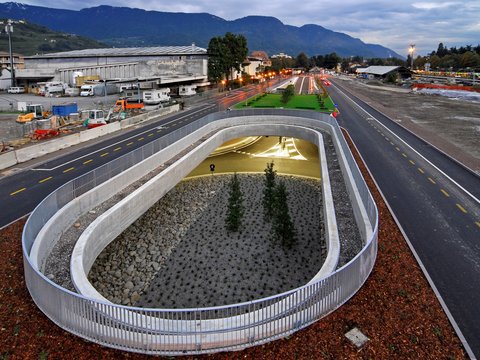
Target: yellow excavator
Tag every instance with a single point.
(33, 112)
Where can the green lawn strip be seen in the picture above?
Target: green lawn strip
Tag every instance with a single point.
(305, 102)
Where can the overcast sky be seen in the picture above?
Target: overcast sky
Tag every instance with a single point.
(394, 24)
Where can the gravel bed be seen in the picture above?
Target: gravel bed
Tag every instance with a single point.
(134, 266)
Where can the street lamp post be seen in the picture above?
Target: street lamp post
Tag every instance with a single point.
(411, 51)
(9, 31)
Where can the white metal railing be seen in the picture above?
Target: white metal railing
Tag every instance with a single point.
(194, 331)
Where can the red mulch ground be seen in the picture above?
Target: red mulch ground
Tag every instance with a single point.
(396, 309)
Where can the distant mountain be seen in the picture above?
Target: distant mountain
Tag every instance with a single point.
(123, 27)
(31, 39)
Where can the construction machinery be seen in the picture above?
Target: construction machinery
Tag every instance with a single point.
(33, 112)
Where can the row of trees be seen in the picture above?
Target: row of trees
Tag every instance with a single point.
(275, 206)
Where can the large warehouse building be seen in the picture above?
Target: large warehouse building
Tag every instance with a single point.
(171, 65)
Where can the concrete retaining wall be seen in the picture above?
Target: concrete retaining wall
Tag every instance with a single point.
(114, 221)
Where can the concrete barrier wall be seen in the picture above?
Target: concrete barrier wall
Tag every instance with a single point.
(114, 221)
(45, 147)
(8, 159)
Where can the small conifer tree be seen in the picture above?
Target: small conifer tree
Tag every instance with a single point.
(282, 225)
(235, 209)
(269, 191)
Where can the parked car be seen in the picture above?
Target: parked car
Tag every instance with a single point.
(16, 90)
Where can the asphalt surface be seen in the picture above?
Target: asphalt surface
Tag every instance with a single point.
(435, 201)
(21, 191)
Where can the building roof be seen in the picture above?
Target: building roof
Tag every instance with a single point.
(136, 51)
(377, 70)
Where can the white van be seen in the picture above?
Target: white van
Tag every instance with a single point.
(87, 90)
(16, 90)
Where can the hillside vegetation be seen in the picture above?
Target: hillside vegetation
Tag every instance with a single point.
(31, 39)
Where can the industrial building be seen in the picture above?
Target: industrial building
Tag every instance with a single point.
(149, 66)
(381, 72)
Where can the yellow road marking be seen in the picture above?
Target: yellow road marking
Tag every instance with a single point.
(421, 170)
(130, 143)
(478, 223)
(46, 179)
(116, 149)
(18, 191)
(159, 130)
(140, 139)
(151, 134)
(404, 155)
(431, 180)
(69, 169)
(462, 209)
(88, 161)
(412, 162)
(104, 154)
(444, 193)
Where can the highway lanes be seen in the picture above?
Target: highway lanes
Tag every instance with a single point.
(22, 191)
(434, 199)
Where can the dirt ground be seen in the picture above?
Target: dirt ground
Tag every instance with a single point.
(452, 125)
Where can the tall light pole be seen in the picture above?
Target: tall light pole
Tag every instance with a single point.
(411, 51)
(9, 31)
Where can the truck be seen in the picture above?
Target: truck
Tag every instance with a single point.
(54, 87)
(123, 104)
(187, 90)
(33, 112)
(156, 96)
(87, 90)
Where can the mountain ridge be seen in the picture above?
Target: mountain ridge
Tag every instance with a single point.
(128, 27)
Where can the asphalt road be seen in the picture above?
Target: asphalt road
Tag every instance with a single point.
(23, 190)
(435, 202)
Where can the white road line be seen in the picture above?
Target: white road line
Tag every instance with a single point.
(119, 142)
(410, 147)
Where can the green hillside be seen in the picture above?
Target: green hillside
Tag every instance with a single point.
(31, 39)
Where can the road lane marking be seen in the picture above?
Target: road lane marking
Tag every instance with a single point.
(130, 143)
(412, 162)
(405, 142)
(445, 193)
(18, 191)
(421, 170)
(462, 209)
(118, 148)
(391, 143)
(69, 169)
(104, 154)
(431, 180)
(87, 162)
(46, 179)
(397, 148)
(151, 134)
(140, 139)
(198, 110)
(159, 130)
(478, 223)
(404, 155)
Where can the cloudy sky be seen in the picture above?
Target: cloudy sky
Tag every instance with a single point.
(394, 24)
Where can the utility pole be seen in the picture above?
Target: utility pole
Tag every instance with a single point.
(411, 51)
(9, 31)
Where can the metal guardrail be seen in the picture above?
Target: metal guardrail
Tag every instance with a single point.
(193, 331)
